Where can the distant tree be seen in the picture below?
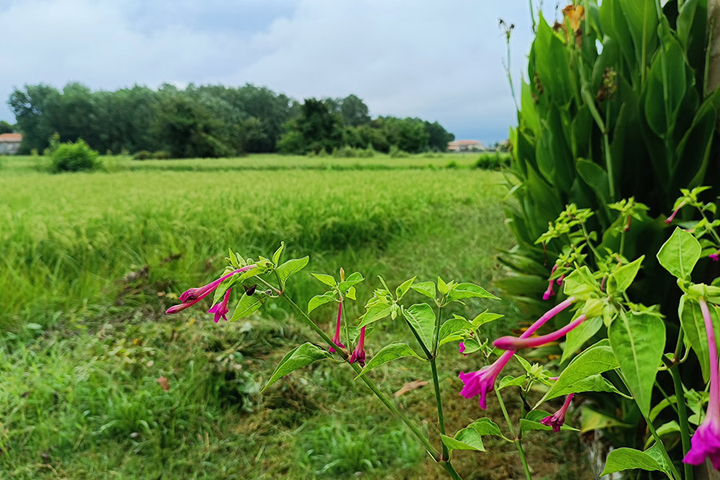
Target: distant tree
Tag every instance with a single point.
(354, 111)
(36, 111)
(6, 127)
(438, 137)
(317, 128)
(408, 134)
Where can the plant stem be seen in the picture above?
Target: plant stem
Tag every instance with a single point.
(432, 451)
(655, 435)
(683, 417)
(438, 400)
(516, 439)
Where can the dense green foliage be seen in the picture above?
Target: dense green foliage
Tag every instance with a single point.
(84, 338)
(617, 107)
(209, 121)
(324, 125)
(493, 161)
(73, 157)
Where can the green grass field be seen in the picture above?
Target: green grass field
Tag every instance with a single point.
(90, 262)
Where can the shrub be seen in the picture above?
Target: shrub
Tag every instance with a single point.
(345, 152)
(490, 161)
(369, 152)
(452, 164)
(143, 155)
(162, 155)
(395, 152)
(74, 157)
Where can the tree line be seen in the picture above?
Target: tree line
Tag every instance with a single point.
(210, 121)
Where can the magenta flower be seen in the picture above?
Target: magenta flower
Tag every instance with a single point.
(461, 347)
(715, 256)
(194, 295)
(672, 217)
(706, 441)
(557, 420)
(220, 309)
(336, 338)
(483, 380)
(358, 354)
(514, 343)
(550, 292)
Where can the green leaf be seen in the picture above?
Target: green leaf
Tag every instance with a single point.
(510, 381)
(351, 293)
(298, 357)
(351, 281)
(278, 252)
(291, 267)
(318, 300)
(485, 426)
(622, 459)
(468, 290)
(532, 422)
(326, 279)
(483, 318)
(375, 313)
(465, 439)
(421, 318)
(577, 337)
(638, 341)
(580, 284)
(388, 354)
(693, 325)
(403, 289)
(680, 254)
(224, 286)
(442, 286)
(584, 373)
(591, 420)
(425, 288)
(246, 306)
(623, 277)
(454, 330)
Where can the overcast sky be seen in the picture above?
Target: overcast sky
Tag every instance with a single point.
(435, 59)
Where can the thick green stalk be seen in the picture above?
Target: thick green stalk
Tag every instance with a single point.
(516, 440)
(438, 400)
(683, 419)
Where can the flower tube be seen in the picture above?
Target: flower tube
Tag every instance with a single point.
(482, 381)
(514, 343)
(192, 296)
(706, 441)
(336, 338)
(557, 420)
(220, 309)
(358, 354)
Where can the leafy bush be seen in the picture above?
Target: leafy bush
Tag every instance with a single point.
(143, 155)
(493, 161)
(395, 152)
(74, 157)
(452, 164)
(162, 155)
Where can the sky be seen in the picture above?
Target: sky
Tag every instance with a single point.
(440, 60)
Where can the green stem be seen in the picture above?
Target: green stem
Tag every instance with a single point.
(683, 417)
(516, 440)
(451, 470)
(658, 440)
(438, 400)
(371, 385)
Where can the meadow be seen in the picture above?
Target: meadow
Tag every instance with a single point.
(91, 261)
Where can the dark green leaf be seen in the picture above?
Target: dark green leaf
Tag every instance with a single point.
(298, 357)
(680, 254)
(388, 354)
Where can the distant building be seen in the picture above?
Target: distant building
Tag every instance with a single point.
(10, 143)
(466, 146)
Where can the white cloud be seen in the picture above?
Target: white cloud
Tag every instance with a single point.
(436, 60)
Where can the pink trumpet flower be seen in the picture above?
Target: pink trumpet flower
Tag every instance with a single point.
(194, 295)
(550, 292)
(557, 420)
(515, 343)
(706, 441)
(672, 217)
(715, 256)
(483, 380)
(358, 354)
(336, 338)
(220, 309)
(461, 347)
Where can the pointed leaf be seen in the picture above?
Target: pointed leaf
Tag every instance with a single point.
(246, 306)
(453, 329)
(375, 313)
(351, 281)
(326, 279)
(624, 276)
(465, 439)
(468, 290)
(403, 288)
(638, 341)
(421, 318)
(318, 300)
(680, 254)
(278, 253)
(298, 357)
(622, 459)
(577, 337)
(291, 267)
(425, 288)
(388, 354)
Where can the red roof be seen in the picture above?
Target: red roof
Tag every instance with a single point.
(464, 142)
(11, 138)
